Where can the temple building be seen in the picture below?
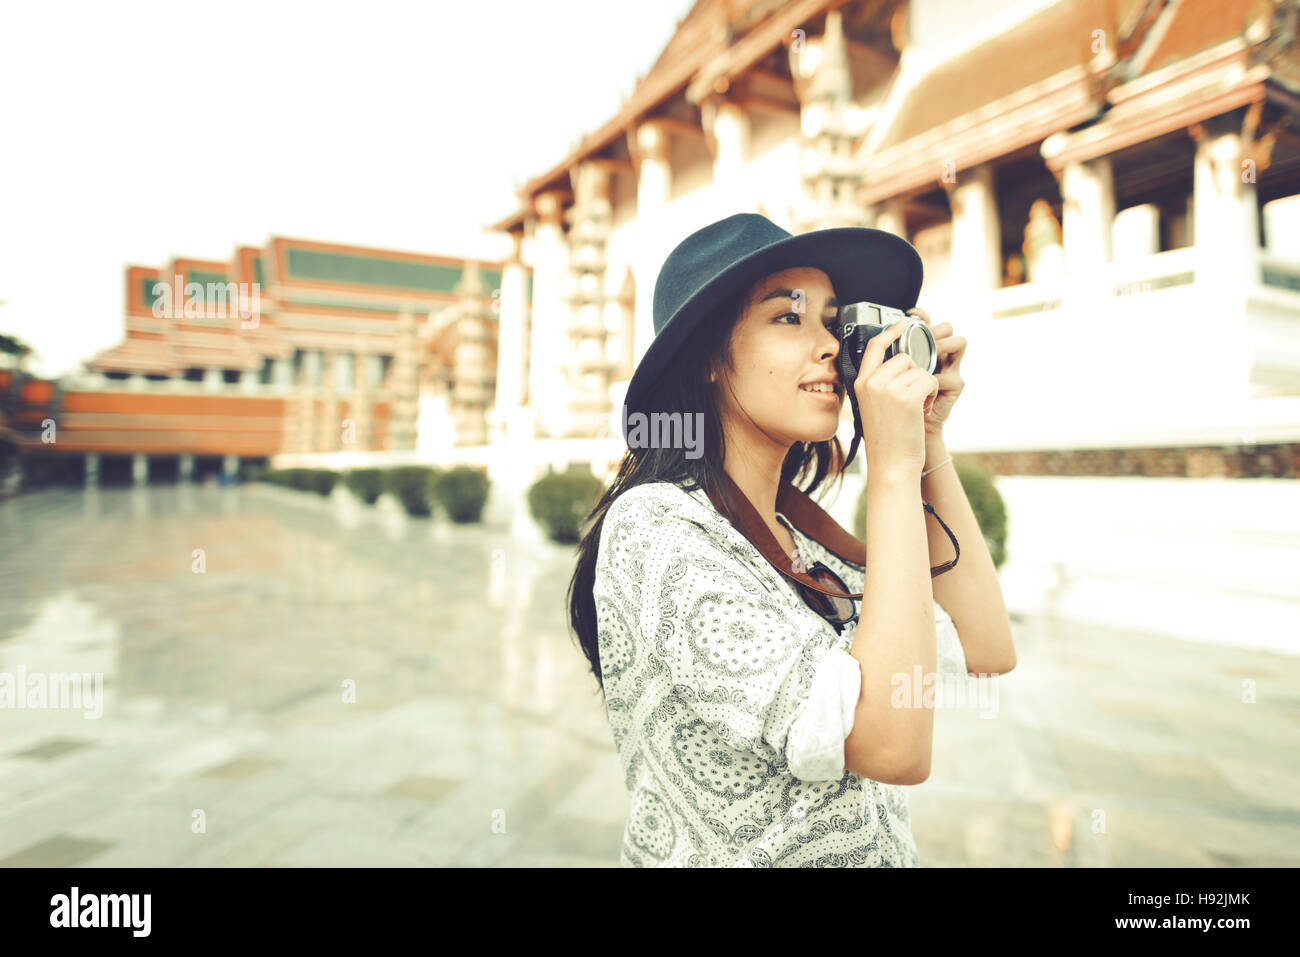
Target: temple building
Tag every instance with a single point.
(1105, 195)
(1084, 179)
(294, 347)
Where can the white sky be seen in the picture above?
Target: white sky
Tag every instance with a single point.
(131, 132)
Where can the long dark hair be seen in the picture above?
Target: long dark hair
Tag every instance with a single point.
(687, 391)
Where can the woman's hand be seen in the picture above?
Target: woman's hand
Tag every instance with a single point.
(951, 349)
(891, 399)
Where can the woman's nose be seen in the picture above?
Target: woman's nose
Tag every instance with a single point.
(830, 349)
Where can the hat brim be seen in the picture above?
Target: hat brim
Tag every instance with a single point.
(863, 264)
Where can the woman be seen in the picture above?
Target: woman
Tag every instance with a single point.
(753, 730)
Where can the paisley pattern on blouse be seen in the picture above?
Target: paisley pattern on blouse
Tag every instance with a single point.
(720, 684)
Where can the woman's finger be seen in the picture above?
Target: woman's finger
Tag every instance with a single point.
(951, 348)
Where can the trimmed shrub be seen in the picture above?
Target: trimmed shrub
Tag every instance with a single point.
(985, 501)
(462, 492)
(365, 484)
(42, 469)
(413, 487)
(322, 481)
(560, 503)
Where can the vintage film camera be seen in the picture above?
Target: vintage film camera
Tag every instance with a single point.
(860, 321)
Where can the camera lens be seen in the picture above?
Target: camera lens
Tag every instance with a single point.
(921, 346)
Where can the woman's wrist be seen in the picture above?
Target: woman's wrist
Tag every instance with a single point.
(935, 451)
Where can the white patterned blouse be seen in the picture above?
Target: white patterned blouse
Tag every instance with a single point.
(729, 698)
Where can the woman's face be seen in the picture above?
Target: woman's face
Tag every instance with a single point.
(782, 343)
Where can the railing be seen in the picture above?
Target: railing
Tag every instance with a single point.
(1174, 267)
(1128, 277)
(1025, 299)
(1279, 272)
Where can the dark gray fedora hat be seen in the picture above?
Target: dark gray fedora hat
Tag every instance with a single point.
(717, 262)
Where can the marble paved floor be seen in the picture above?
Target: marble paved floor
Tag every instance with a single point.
(293, 681)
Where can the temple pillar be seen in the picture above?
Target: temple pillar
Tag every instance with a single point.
(824, 84)
(513, 345)
(406, 386)
(1225, 218)
(891, 218)
(471, 390)
(550, 314)
(1088, 216)
(976, 235)
(649, 144)
(588, 366)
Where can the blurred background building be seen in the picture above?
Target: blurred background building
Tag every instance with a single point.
(297, 347)
(1106, 198)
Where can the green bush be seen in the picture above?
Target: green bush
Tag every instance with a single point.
(42, 468)
(985, 501)
(9, 453)
(365, 484)
(252, 472)
(322, 481)
(413, 487)
(561, 501)
(462, 492)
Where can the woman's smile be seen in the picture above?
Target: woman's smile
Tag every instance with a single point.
(829, 397)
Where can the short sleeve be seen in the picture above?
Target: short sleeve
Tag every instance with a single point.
(752, 671)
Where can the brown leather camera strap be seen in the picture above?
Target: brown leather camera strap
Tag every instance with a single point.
(807, 516)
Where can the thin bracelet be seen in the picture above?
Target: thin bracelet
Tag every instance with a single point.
(939, 466)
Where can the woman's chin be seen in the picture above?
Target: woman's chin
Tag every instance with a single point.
(814, 435)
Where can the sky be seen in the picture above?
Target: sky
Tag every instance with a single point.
(132, 132)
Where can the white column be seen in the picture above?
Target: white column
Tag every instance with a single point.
(1088, 194)
(654, 183)
(212, 379)
(92, 470)
(511, 345)
(1135, 233)
(402, 426)
(139, 468)
(282, 373)
(889, 217)
(1225, 231)
(1089, 200)
(1225, 225)
(976, 235)
(185, 468)
(730, 126)
(547, 385)
(230, 465)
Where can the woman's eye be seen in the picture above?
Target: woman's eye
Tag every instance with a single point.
(833, 323)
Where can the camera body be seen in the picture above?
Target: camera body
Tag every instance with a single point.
(860, 322)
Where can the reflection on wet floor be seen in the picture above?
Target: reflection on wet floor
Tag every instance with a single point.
(288, 680)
